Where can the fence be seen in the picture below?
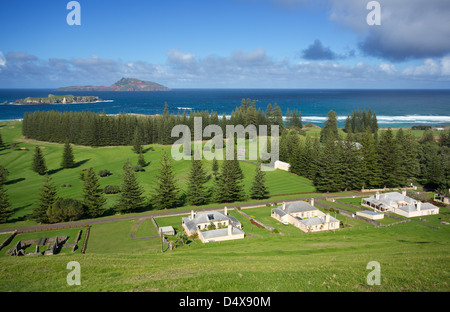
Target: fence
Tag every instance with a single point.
(8, 240)
(253, 220)
(163, 239)
(86, 236)
(348, 213)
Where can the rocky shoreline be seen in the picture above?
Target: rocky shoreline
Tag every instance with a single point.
(56, 99)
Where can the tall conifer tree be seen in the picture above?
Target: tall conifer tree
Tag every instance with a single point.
(68, 159)
(94, 200)
(39, 162)
(389, 159)
(5, 205)
(371, 174)
(330, 130)
(259, 189)
(229, 184)
(166, 190)
(47, 197)
(196, 191)
(130, 197)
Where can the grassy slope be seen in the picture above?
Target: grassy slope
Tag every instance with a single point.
(413, 256)
(24, 184)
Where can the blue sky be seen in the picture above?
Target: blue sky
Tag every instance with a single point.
(226, 44)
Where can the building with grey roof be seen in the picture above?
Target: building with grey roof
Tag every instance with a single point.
(305, 216)
(226, 227)
(400, 204)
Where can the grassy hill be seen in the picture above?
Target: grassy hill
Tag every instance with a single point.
(24, 184)
(124, 255)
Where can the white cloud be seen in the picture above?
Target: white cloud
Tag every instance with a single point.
(2, 59)
(240, 69)
(412, 29)
(429, 68)
(445, 64)
(388, 68)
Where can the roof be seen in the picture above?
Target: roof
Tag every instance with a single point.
(279, 211)
(166, 228)
(370, 212)
(423, 206)
(221, 232)
(316, 220)
(282, 163)
(298, 206)
(207, 217)
(389, 199)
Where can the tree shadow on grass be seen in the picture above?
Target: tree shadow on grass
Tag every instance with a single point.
(22, 218)
(53, 171)
(14, 181)
(81, 162)
(145, 150)
(76, 165)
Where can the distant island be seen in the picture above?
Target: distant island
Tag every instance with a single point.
(57, 99)
(124, 84)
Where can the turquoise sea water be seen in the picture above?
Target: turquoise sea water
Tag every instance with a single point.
(394, 108)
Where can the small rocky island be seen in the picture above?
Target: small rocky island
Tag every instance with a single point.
(58, 99)
(124, 84)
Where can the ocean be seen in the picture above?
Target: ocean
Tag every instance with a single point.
(394, 108)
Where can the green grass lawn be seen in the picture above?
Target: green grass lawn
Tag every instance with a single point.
(24, 184)
(413, 256)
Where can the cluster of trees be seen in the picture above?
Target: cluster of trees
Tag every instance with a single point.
(39, 166)
(51, 209)
(91, 129)
(5, 205)
(227, 187)
(338, 163)
(361, 121)
(358, 159)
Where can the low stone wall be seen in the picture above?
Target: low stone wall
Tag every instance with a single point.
(8, 240)
(347, 213)
(253, 220)
(86, 236)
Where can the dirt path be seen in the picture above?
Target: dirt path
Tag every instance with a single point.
(136, 227)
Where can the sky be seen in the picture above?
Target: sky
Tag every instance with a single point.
(323, 44)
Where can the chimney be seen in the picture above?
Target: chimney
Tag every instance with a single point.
(419, 206)
(230, 230)
(377, 195)
(225, 212)
(327, 218)
(312, 202)
(404, 192)
(284, 206)
(192, 214)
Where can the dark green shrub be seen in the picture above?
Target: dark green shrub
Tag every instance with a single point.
(138, 168)
(65, 209)
(111, 189)
(104, 173)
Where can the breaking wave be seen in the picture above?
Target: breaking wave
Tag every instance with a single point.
(408, 119)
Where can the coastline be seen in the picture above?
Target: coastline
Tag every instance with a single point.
(18, 104)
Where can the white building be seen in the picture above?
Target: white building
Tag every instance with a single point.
(226, 226)
(369, 214)
(282, 165)
(305, 216)
(399, 204)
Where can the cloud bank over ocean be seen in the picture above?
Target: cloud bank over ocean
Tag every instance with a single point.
(240, 69)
